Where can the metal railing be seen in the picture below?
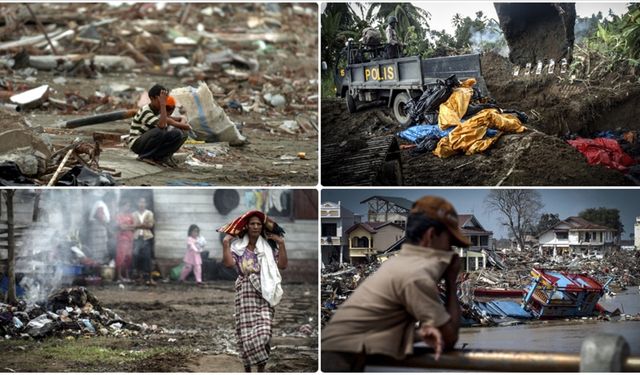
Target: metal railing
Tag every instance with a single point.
(599, 353)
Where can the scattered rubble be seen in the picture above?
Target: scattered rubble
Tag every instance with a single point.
(67, 68)
(508, 276)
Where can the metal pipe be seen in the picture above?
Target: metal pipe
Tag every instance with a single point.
(101, 118)
(490, 360)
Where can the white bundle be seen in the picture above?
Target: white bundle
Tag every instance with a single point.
(206, 117)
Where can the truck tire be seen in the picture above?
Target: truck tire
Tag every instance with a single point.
(399, 103)
(351, 103)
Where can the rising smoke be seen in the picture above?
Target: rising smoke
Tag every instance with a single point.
(44, 251)
(489, 40)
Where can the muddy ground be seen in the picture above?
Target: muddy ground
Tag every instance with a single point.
(285, 49)
(537, 157)
(197, 334)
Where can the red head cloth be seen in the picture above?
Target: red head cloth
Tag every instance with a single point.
(171, 102)
(238, 226)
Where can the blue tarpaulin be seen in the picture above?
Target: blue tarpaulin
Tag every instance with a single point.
(417, 133)
(4, 287)
(607, 134)
(504, 308)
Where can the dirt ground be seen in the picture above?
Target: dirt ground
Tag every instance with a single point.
(196, 328)
(537, 157)
(285, 49)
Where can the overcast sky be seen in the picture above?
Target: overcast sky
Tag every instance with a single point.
(565, 202)
(442, 12)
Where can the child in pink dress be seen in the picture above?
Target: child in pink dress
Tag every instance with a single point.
(192, 259)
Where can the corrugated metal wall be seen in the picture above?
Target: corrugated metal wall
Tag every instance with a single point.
(175, 210)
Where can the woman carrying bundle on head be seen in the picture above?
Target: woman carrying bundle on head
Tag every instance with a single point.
(254, 245)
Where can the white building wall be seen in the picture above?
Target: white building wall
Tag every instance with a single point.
(636, 234)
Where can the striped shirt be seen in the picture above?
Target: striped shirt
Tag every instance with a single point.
(143, 121)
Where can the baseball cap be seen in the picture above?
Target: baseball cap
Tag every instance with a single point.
(171, 102)
(441, 210)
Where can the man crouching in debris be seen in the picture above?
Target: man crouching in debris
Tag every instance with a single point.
(154, 135)
(400, 302)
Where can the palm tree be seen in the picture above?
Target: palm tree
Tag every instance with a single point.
(407, 15)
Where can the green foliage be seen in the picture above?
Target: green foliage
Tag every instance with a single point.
(327, 86)
(609, 217)
(546, 222)
(407, 14)
(613, 46)
(413, 44)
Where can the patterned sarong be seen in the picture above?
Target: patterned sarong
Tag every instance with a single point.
(253, 321)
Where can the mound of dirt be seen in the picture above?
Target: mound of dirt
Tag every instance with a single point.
(528, 159)
(559, 107)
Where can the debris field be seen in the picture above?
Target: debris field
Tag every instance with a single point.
(61, 64)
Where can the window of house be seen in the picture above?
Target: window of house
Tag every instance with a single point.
(401, 223)
(329, 229)
(484, 240)
(562, 235)
(480, 262)
(474, 240)
(363, 242)
(587, 237)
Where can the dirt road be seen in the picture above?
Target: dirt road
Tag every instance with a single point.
(197, 334)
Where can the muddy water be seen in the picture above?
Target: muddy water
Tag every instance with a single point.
(559, 336)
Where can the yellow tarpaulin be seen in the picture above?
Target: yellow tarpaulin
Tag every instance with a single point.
(451, 111)
(468, 136)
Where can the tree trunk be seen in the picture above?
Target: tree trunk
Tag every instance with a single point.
(12, 299)
(36, 206)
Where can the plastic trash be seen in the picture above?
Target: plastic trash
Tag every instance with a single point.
(88, 325)
(40, 326)
(209, 121)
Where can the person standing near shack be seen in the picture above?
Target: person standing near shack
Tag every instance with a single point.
(98, 233)
(142, 238)
(124, 249)
(254, 245)
(393, 44)
(400, 301)
(154, 135)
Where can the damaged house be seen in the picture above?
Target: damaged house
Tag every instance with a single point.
(577, 237)
(370, 238)
(475, 256)
(335, 219)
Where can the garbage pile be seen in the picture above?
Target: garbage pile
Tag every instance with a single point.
(256, 61)
(67, 312)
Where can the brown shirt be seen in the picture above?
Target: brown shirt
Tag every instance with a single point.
(380, 316)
